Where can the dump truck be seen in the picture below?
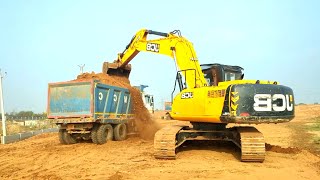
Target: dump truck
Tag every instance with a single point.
(90, 110)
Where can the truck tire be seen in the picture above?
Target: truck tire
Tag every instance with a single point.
(104, 133)
(85, 137)
(61, 136)
(94, 134)
(120, 132)
(68, 138)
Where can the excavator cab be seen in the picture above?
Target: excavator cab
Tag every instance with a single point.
(215, 73)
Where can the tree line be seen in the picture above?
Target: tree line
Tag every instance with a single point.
(18, 115)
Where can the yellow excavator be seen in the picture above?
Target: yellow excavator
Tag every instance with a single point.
(210, 97)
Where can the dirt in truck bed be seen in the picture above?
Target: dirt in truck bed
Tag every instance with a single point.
(143, 120)
(105, 79)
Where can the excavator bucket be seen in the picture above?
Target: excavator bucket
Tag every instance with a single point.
(114, 69)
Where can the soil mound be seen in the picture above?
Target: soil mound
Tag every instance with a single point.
(143, 120)
(105, 79)
(279, 149)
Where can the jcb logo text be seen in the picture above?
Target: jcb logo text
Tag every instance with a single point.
(187, 95)
(276, 102)
(153, 47)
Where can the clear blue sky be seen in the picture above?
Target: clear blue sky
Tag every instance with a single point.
(45, 41)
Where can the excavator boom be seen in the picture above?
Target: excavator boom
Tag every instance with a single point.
(170, 44)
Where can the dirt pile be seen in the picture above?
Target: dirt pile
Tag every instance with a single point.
(279, 149)
(143, 120)
(44, 157)
(105, 78)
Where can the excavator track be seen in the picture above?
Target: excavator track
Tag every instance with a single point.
(165, 142)
(249, 139)
(252, 144)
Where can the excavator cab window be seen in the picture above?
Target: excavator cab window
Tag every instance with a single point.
(230, 76)
(232, 73)
(209, 78)
(212, 73)
(215, 73)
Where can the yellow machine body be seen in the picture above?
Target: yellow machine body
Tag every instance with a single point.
(215, 99)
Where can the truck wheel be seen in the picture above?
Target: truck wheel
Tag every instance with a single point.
(120, 132)
(85, 137)
(68, 138)
(104, 133)
(61, 136)
(94, 134)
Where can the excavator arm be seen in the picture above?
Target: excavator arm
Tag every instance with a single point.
(170, 44)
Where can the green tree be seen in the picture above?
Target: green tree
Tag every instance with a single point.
(25, 113)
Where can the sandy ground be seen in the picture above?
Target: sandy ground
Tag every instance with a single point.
(43, 157)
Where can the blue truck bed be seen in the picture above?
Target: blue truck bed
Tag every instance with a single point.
(87, 100)
(86, 110)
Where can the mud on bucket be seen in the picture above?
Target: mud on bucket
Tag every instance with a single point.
(114, 69)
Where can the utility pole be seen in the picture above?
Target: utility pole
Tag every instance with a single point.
(81, 66)
(4, 130)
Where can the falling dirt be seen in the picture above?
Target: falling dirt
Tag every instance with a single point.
(145, 125)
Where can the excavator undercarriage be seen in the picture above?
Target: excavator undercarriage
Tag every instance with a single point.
(248, 139)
